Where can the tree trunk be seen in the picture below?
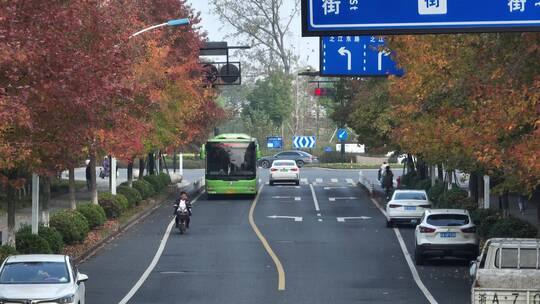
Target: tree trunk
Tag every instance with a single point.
(151, 164)
(175, 164)
(130, 173)
(450, 175)
(142, 166)
(535, 199)
(473, 187)
(440, 172)
(11, 215)
(72, 202)
(93, 182)
(46, 199)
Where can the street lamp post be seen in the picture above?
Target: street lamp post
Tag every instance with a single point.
(175, 22)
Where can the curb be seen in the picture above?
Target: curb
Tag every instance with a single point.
(99, 245)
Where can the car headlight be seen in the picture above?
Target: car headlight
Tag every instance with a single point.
(66, 300)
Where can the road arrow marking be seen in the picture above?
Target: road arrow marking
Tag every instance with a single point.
(319, 180)
(343, 219)
(333, 199)
(339, 187)
(344, 52)
(334, 180)
(295, 218)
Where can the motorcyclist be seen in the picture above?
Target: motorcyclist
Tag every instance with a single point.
(182, 203)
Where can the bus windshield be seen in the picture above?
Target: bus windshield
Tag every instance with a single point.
(231, 160)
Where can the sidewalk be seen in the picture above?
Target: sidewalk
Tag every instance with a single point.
(531, 209)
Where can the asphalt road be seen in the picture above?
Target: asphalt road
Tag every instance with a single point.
(325, 258)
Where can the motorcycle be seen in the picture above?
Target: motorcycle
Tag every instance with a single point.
(182, 214)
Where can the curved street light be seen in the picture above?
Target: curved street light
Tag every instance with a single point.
(174, 22)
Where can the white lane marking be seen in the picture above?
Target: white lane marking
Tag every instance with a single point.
(333, 199)
(334, 180)
(315, 201)
(154, 262)
(349, 181)
(318, 180)
(297, 187)
(304, 181)
(297, 198)
(295, 218)
(318, 214)
(408, 258)
(320, 220)
(340, 187)
(343, 219)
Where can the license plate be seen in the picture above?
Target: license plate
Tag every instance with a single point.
(506, 297)
(448, 234)
(284, 170)
(410, 208)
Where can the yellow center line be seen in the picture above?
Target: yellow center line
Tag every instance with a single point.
(277, 262)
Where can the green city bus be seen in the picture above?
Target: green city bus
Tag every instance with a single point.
(231, 164)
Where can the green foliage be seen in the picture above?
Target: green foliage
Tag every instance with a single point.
(114, 205)
(484, 219)
(335, 157)
(165, 179)
(155, 181)
(133, 196)
(28, 243)
(50, 234)
(409, 180)
(71, 224)
(436, 191)
(94, 214)
(455, 198)
(5, 251)
(512, 228)
(424, 184)
(145, 188)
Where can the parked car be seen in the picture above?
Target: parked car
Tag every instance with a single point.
(445, 232)
(406, 206)
(508, 271)
(41, 279)
(284, 171)
(300, 157)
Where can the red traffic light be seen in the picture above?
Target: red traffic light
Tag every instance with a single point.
(323, 91)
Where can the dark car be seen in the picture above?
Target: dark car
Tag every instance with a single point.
(300, 157)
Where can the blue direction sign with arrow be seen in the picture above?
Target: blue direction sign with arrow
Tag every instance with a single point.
(300, 142)
(380, 17)
(356, 56)
(274, 142)
(342, 135)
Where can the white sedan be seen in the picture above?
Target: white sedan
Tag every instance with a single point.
(446, 232)
(284, 171)
(406, 206)
(41, 279)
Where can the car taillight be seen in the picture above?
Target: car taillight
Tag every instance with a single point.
(469, 230)
(273, 169)
(394, 206)
(426, 229)
(294, 169)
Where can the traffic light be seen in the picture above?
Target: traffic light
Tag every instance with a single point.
(324, 92)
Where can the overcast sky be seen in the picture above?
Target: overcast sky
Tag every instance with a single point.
(306, 48)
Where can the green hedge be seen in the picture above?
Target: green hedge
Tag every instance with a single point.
(28, 243)
(94, 214)
(50, 234)
(133, 196)
(155, 181)
(114, 205)
(455, 198)
(512, 228)
(409, 180)
(436, 191)
(6, 251)
(335, 157)
(165, 179)
(71, 224)
(145, 188)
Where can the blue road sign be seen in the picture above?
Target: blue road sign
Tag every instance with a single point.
(300, 142)
(380, 17)
(274, 142)
(356, 56)
(342, 135)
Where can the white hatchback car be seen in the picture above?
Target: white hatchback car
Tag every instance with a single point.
(446, 232)
(41, 279)
(284, 171)
(406, 206)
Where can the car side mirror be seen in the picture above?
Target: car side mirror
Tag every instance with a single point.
(81, 278)
(473, 268)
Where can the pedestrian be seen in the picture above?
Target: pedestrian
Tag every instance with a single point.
(388, 182)
(88, 175)
(381, 170)
(106, 168)
(522, 204)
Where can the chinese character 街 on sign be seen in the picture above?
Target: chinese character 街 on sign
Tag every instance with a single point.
(432, 7)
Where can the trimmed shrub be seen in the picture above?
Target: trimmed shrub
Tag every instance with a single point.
(424, 184)
(71, 224)
(484, 219)
(336, 157)
(165, 179)
(133, 196)
(436, 191)
(6, 251)
(155, 181)
(50, 234)
(145, 189)
(512, 228)
(409, 180)
(27, 243)
(114, 205)
(455, 198)
(94, 214)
